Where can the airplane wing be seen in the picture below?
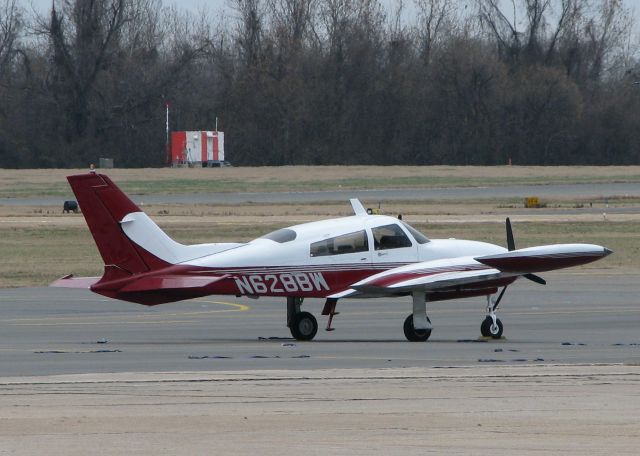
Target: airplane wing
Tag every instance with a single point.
(473, 272)
(427, 276)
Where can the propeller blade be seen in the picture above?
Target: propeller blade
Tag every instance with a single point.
(511, 244)
(535, 278)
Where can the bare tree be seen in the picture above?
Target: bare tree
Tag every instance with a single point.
(568, 14)
(433, 17)
(10, 26)
(502, 26)
(249, 31)
(605, 32)
(83, 38)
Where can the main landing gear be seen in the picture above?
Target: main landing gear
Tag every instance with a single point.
(417, 326)
(415, 335)
(303, 325)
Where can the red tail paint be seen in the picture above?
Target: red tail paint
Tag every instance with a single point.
(104, 205)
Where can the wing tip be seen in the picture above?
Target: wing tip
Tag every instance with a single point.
(70, 281)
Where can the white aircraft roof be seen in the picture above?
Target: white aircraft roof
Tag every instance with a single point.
(334, 227)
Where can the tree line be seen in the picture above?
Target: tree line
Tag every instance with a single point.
(318, 82)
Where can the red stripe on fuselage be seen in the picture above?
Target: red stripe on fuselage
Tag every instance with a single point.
(296, 281)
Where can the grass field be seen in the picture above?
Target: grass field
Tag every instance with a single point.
(38, 244)
(38, 182)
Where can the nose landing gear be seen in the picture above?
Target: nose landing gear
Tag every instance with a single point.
(492, 326)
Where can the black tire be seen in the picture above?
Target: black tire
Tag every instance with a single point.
(304, 326)
(415, 335)
(487, 329)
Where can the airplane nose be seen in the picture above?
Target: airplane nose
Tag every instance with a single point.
(607, 251)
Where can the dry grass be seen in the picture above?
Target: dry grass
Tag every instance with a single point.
(34, 183)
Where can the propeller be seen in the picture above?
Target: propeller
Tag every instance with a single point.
(511, 245)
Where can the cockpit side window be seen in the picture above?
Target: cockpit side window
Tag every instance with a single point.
(347, 243)
(390, 237)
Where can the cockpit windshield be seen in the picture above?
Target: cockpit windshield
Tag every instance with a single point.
(417, 235)
(281, 236)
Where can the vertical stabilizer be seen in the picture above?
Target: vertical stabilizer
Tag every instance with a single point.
(104, 206)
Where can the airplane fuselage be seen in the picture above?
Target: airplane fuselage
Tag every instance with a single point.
(312, 260)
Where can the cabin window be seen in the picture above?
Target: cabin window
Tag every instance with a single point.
(389, 237)
(340, 245)
(281, 236)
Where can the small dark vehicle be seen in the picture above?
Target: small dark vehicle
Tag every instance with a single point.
(70, 206)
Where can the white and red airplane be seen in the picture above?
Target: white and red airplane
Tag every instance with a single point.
(361, 256)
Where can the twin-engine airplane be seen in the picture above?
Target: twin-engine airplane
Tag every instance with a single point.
(361, 256)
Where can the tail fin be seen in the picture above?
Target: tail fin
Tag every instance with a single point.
(104, 207)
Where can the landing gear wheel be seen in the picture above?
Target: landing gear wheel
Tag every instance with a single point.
(415, 335)
(304, 326)
(488, 329)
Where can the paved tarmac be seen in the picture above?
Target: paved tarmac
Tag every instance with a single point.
(588, 316)
(577, 191)
(497, 410)
(81, 372)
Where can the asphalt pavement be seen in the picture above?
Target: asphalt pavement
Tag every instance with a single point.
(579, 317)
(564, 191)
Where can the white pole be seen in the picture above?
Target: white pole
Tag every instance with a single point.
(167, 137)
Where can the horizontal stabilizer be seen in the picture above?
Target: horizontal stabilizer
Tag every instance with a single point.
(544, 258)
(169, 282)
(69, 281)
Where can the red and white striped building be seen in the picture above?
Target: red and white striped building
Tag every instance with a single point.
(197, 148)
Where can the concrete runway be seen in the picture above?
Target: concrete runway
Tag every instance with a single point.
(579, 317)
